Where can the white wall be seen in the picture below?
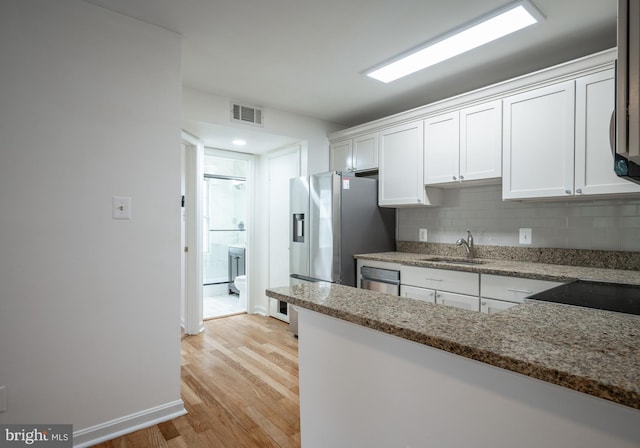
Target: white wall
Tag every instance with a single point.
(200, 106)
(89, 306)
(605, 224)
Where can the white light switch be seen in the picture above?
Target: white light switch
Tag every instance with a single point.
(3, 398)
(121, 207)
(525, 236)
(423, 235)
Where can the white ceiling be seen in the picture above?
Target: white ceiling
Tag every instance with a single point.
(308, 56)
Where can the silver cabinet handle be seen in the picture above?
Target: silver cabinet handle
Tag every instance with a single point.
(454, 178)
(567, 191)
(419, 200)
(433, 279)
(461, 177)
(524, 291)
(579, 191)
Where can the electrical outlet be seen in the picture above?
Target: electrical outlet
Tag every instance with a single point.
(525, 236)
(3, 399)
(423, 235)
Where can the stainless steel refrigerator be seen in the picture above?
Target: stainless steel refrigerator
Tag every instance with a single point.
(334, 216)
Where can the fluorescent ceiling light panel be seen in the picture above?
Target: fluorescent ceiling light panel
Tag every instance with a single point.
(239, 142)
(500, 23)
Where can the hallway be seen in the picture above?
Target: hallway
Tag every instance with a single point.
(239, 386)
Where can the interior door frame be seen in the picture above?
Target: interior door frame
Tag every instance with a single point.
(249, 251)
(194, 173)
(272, 305)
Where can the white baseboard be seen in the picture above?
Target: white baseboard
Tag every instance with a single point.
(127, 424)
(259, 310)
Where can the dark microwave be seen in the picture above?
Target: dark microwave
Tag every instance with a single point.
(626, 139)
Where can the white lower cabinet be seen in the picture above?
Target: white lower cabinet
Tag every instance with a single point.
(499, 292)
(413, 292)
(491, 306)
(512, 289)
(462, 301)
(441, 286)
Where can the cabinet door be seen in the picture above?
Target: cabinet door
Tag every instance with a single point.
(341, 156)
(441, 148)
(365, 152)
(490, 306)
(412, 292)
(462, 301)
(401, 163)
(538, 143)
(481, 141)
(595, 102)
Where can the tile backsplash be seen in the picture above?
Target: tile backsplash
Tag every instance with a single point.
(603, 224)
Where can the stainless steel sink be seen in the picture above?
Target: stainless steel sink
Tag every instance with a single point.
(454, 260)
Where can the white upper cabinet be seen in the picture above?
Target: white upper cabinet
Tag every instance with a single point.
(365, 152)
(464, 145)
(357, 154)
(341, 156)
(538, 141)
(595, 102)
(557, 141)
(442, 148)
(544, 135)
(400, 180)
(481, 142)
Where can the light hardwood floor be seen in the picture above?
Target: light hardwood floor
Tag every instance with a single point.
(239, 386)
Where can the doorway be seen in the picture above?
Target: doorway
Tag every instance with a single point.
(225, 218)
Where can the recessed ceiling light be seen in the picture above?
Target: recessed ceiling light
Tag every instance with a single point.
(239, 142)
(495, 25)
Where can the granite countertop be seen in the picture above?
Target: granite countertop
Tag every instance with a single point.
(540, 271)
(591, 351)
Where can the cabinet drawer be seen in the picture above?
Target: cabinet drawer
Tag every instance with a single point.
(461, 301)
(512, 289)
(412, 292)
(441, 279)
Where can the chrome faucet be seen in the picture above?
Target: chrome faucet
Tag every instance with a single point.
(468, 244)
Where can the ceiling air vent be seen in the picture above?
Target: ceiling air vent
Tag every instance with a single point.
(246, 114)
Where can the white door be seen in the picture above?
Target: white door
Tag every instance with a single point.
(283, 165)
(193, 175)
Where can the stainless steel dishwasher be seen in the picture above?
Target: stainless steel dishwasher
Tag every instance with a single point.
(381, 280)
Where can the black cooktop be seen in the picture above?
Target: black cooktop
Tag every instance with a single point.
(591, 294)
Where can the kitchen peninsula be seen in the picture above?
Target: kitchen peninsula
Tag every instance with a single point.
(382, 370)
